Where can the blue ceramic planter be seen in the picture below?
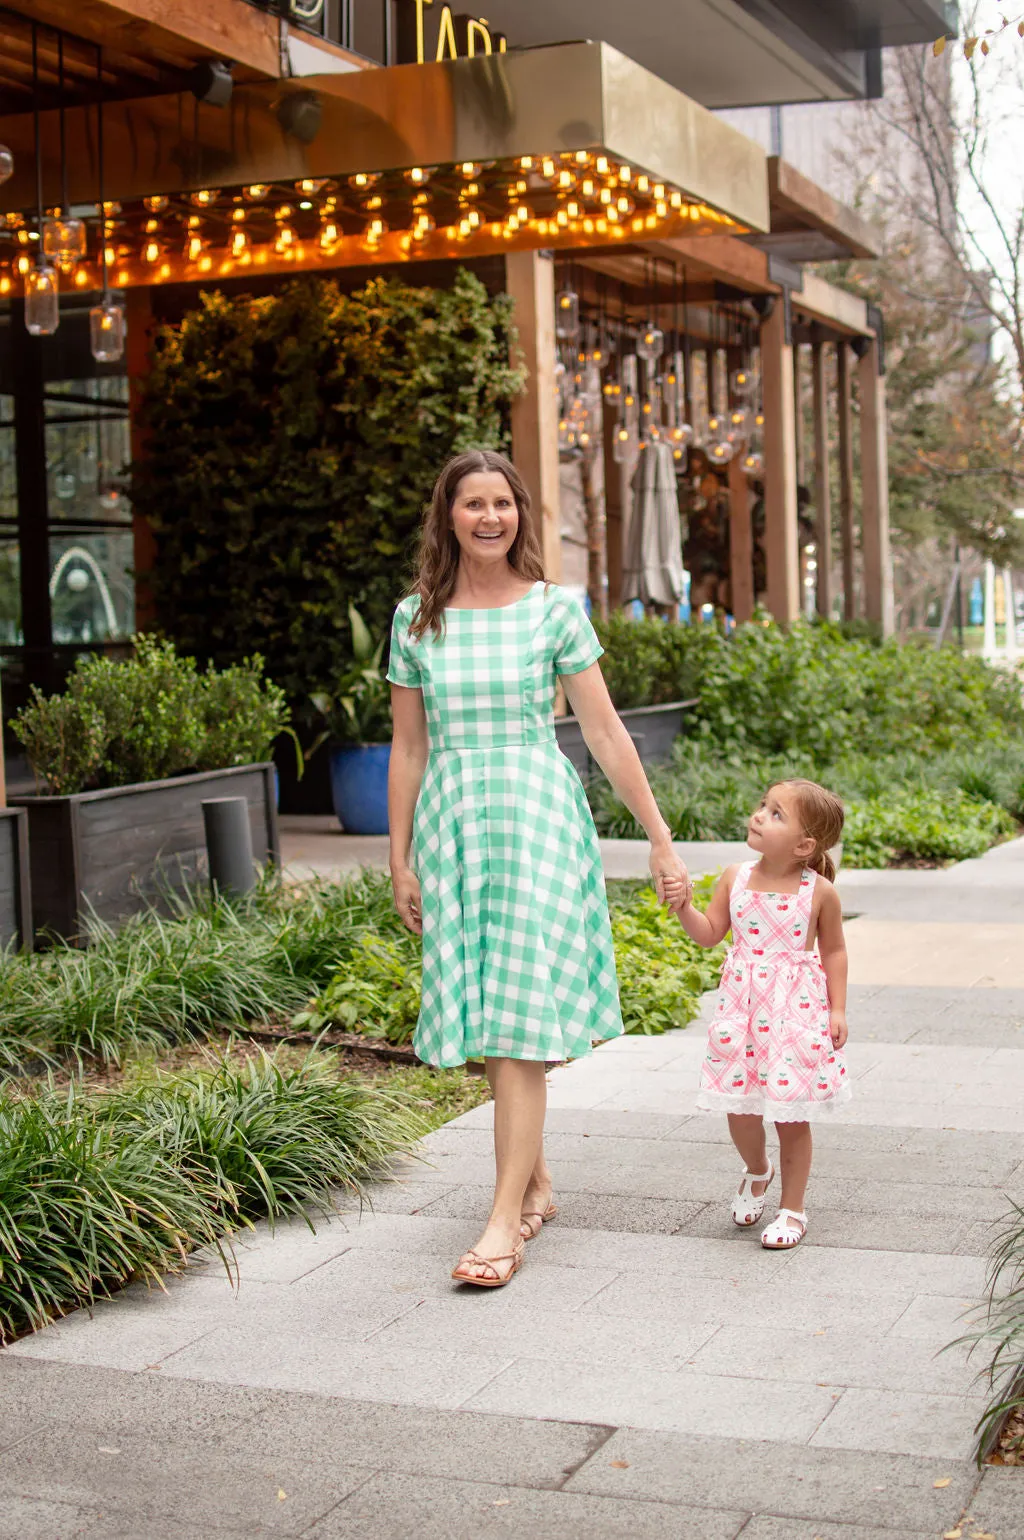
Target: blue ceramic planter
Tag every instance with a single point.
(359, 787)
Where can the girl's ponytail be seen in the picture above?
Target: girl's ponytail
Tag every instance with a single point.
(823, 863)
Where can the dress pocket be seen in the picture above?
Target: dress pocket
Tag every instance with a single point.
(726, 1039)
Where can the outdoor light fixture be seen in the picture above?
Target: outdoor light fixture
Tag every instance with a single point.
(567, 314)
(624, 445)
(106, 320)
(753, 463)
(720, 453)
(742, 382)
(210, 82)
(6, 164)
(650, 344)
(64, 242)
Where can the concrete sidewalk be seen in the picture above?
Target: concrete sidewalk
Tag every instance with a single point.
(651, 1372)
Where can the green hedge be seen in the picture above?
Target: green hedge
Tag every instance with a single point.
(291, 443)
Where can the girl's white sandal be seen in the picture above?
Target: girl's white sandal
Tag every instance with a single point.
(780, 1235)
(746, 1207)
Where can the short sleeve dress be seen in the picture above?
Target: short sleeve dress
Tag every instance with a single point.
(518, 960)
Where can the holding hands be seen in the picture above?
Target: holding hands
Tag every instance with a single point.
(671, 879)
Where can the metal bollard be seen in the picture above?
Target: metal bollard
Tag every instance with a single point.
(229, 846)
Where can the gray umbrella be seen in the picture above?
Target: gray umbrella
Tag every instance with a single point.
(653, 557)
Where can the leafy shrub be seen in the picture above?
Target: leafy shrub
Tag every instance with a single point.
(359, 708)
(923, 824)
(122, 721)
(96, 1190)
(1000, 1335)
(291, 443)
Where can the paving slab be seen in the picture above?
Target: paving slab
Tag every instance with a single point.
(901, 1421)
(998, 1505)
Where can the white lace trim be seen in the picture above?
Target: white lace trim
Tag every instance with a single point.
(756, 1105)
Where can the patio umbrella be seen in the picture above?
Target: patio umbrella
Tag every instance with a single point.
(653, 558)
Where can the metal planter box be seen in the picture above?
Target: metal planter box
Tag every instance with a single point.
(15, 888)
(112, 853)
(653, 729)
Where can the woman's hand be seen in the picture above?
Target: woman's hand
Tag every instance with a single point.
(405, 885)
(671, 879)
(837, 1027)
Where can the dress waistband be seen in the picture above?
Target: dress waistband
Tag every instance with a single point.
(527, 736)
(751, 955)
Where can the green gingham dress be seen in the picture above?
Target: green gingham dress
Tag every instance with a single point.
(517, 949)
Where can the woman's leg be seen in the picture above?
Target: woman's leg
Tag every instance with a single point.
(519, 1087)
(747, 1130)
(795, 1147)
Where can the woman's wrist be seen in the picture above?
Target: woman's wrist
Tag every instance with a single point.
(660, 837)
(398, 864)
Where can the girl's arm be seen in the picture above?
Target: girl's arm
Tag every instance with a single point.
(711, 927)
(410, 746)
(832, 951)
(615, 751)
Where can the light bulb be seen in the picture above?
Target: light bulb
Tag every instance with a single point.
(256, 191)
(312, 184)
(759, 419)
(682, 434)
(720, 453)
(753, 464)
(328, 235)
(42, 308)
(205, 197)
(285, 239)
(716, 427)
(375, 232)
(239, 242)
(650, 343)
(567, 313)
(284, 212)
(364, 179)
(156, 204)
(470, 169)
(195, 247)
(741, 382)
(6, 164)
(417, 176)
(151, 252)
(624, 445)
(64, 242)
(106, 331)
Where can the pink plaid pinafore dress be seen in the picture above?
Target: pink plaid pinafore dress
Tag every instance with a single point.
(769, 1048)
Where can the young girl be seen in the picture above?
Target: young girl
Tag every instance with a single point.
(780, 1017)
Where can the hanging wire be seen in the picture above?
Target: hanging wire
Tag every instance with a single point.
(99, 154)
(37, 133)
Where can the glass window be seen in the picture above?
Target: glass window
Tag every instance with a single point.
(88, 448)
(92, 594)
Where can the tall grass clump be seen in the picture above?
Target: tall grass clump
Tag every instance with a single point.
(1000, 1335)
(99, 1189)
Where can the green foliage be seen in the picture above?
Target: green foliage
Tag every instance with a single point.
(662, 973)
(924, 824)
(359, 711)
(438, 1095)
(291, 443)
(122, 721)
(999, 1335)
(98, 1189)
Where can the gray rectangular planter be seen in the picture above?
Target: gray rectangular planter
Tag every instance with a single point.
(111, 853)
(653, 729)
(15, 888)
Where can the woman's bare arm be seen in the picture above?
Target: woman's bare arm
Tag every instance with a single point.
(410, 746)
(711, 927)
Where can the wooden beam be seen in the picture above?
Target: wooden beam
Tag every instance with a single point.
(822, 483)
(741, 541)
(782, 558)
(530, 281)
(792, 194)
(187, 30)
(846, 519)
(874, 479)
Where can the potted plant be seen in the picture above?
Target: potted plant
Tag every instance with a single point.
(358, 730)
(123, 762)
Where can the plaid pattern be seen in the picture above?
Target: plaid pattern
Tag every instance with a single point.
(769, 1046)
(518, 960)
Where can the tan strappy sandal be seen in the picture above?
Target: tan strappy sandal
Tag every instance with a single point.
(527, 1221)
(474, 1259)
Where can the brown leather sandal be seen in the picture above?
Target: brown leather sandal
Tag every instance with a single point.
(474, 1259)
(528, 1229)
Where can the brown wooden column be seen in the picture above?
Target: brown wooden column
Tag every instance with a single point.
(530, 280)
(613, 513)
(822, 483)
(846, 520)
(138, 322)
(741, 541)
(798, 416)
(874, 477)
(780, 505)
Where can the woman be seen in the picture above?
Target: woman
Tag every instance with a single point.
(494, 854)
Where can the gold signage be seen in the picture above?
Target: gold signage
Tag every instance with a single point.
(458, 36)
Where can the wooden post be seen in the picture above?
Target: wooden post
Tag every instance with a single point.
(874, 476)
(597, 530)
(530, 280)
(780, 505)
(613, 513)
(798, 416)
(138, 322)
(846, 523)
(822, 483)
(741, 541)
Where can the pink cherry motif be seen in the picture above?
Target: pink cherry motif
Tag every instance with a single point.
(797, 931)
(805, 1005)
(822, 1085)
(783, 1080)
(725, 1038)
(754, 931)
(764, 1027)
(831, 1058)
(783, 908)
(750, 1050)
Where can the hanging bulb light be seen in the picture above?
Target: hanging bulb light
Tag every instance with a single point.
(417, 176)
(156, 204)
(567, 313)
(759, 419)
(239, 242)
(716, 427)
(611, 390)
(362, 180)
(375, 232)
(42, 308)
(720, 453)
(256, 191)
(6, 164)
(311, 185)
(753, 463)
(681, 435)
(194, 246)
(624, 444)
(742, 382)
(285, 239)
(64, 242)
(151, 251)
(651, 343)
(204, 197)
(106, 331)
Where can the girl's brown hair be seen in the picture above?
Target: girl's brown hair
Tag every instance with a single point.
(822, 815)
(438, 554)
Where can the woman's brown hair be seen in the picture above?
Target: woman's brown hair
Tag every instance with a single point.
(822, 815)
(438, 553)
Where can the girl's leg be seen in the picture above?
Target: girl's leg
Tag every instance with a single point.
(747, 1130)
(795, 1147)
(520, 1101)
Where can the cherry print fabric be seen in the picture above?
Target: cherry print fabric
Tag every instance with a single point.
(769, 1047)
